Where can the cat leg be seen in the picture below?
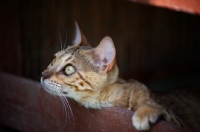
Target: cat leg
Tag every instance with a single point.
(145, 116)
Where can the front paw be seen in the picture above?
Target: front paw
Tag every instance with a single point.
(144, 117)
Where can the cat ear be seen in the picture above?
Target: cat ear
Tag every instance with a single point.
(79, 39)
(105, 53)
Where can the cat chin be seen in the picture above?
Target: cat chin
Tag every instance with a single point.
(56, 93)
(50, 91)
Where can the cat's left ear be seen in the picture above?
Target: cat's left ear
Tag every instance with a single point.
(105, 54)
(80, 39)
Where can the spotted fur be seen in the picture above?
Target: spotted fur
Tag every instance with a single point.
(95, 84)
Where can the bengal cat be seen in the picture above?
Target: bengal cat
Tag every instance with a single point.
(90, 76)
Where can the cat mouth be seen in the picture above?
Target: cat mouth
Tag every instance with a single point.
(64, 92)
(42, 81)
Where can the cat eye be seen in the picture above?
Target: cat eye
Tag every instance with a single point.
(69, 69)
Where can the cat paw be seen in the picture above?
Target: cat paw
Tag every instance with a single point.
(144, 117)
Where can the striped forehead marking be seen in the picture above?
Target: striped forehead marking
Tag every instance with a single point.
(61, 62)
(69, 58)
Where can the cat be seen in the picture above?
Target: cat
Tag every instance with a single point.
(90, 76)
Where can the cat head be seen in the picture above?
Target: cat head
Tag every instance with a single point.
(80, 71)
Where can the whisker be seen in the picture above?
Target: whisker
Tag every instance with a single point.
(56, 46)
(64, 106)
(60, 39)
(67, 109)
(70, 112)
(65, 39)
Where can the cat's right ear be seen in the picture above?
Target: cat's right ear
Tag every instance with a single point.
(104, 54)
(79, 39)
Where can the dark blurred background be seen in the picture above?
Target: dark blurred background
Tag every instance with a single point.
(154, 45)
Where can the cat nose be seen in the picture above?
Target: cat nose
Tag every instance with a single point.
(45, 75)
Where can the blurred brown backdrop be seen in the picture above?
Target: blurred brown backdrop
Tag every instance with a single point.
(152, 43)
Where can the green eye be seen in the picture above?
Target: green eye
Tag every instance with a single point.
(69, 70)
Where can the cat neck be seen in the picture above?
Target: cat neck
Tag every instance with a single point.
(121, 92)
